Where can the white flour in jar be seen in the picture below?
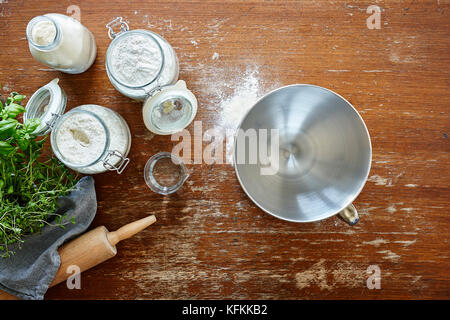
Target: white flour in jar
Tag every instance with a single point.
(136, 60)
(81, 138)
(169, 73)
(43, 33)
(133, 62)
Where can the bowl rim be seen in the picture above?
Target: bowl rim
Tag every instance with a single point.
(320, 217)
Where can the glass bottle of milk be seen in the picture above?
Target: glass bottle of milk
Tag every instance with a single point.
(61, 43)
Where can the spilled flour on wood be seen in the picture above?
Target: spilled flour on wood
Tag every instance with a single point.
(246, 92)
(231, 93)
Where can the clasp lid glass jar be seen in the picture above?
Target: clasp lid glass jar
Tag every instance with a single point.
(142, 65)
(89, 139)
(139, 61)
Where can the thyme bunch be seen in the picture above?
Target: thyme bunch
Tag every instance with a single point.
(29, 185)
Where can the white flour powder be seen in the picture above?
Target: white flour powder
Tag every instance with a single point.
(81, 139)
(136, 60)
(247, 90)
(233, 92)
(234, 108)
(43, 33)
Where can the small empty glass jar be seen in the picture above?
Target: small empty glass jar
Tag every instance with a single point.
(89, 139)
(139, 61)
(61, 43)
(165, 173)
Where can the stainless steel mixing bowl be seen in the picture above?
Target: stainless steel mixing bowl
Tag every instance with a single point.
(324, 154)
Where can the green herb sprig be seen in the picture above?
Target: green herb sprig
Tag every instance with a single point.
(29, 185)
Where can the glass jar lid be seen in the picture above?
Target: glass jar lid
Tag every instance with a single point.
(48, 103)
(170, 110)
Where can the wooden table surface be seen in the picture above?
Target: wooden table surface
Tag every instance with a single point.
(210, 240)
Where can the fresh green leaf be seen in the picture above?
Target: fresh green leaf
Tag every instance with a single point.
(19, 98)
(29, 183)
(13, 110)
(31, 124)
(7, 127)
(7, 124)
(5, 148)
(23, 144)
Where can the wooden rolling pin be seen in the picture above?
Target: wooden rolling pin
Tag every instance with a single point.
(91, 249)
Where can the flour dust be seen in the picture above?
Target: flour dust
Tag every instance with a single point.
(231, 93)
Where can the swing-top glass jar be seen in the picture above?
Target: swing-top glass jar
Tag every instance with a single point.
(143, 66)
(139, 61)
(89, 139)
(61, 42)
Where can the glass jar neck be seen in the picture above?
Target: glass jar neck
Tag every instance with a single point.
(47, 47)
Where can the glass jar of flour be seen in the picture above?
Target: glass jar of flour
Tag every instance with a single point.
(89, 139)
(143, 66)
(61, 43)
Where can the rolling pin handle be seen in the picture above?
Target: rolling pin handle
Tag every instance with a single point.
(129, 230)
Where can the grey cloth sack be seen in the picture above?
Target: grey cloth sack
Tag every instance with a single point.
(29, 272)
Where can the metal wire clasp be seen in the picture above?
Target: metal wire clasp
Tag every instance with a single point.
(51, 123)
(114, 23)
(151, 92)
(123, 162)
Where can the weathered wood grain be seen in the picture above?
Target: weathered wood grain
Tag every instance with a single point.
(210, 241)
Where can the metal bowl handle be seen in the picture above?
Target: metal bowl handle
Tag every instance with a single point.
(349, 215)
